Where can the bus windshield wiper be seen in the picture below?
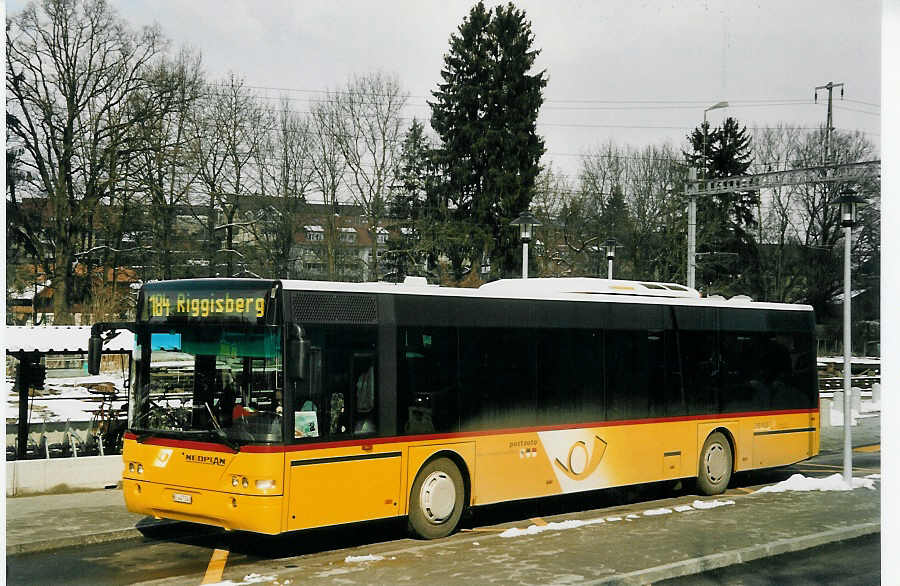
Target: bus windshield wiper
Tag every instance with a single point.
(220, 433)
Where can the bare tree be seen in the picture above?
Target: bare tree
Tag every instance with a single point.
(286, 176)
(241, 127)
(655, 227)
(70, 66)
(369, 137)
(226, 135)
(819, 220)
(779, 226)
(163, 172)
(552, 193)
(329, 166)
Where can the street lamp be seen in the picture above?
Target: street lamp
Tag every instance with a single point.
(715, 106)
(848, 201)
(692, 207)
(526, 223)
(610, 254)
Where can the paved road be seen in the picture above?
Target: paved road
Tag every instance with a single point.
(849, 563)
(472, 555)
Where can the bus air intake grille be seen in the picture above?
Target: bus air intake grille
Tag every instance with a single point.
(331, 308)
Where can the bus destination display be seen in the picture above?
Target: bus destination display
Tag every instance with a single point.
(248, 305)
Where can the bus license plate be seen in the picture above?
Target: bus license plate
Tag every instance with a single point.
(181, 498)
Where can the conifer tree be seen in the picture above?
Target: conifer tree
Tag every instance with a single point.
(485, 113)
(725, 222)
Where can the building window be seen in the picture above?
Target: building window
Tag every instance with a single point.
(315, 233)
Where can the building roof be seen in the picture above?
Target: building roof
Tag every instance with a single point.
(58, 339)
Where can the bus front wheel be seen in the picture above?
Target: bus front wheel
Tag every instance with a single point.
(716, 462)
(436, 501)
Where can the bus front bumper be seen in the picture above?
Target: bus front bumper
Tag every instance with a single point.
(261, 514)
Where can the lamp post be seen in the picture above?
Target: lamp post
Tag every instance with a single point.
(849, 202)
(692, 206)
(610, 255)
(526, 223)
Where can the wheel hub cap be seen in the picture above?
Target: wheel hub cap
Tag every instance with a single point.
(438, 497)
(716, 463)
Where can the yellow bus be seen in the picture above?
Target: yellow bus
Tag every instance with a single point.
(274, 406)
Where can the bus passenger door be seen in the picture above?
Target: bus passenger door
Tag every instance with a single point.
(353, 477)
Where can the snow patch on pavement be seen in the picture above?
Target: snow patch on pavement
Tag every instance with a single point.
(573, 523)
(835, 482)
(248, 579)
(711, 504)
(355, 559)
(552, 526)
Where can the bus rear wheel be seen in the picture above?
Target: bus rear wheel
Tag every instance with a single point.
(437, 499)
(716, 463)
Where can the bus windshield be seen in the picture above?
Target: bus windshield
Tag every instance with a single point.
(208, 382)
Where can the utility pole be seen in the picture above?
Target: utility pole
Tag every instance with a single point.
(828, 127)
(692, 203)
(847, 221)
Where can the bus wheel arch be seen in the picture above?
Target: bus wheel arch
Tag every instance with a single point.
(716, 462)
(439, 495)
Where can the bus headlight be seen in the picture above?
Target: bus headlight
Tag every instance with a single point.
(244, 482)
(234, 481)
(265, 484)
(140, 469)
(131, 466)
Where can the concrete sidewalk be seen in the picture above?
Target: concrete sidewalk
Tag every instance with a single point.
(757, 526)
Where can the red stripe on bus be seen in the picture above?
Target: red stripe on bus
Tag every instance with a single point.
(177, 443)
(453, 435)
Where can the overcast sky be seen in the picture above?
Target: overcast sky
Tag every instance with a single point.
(636, 72)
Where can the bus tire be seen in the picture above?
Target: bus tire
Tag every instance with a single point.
(716, 464)
(437, 499)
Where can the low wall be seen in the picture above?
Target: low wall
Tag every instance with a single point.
(58, 474)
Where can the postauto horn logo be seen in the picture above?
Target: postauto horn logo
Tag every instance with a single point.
(578, 466)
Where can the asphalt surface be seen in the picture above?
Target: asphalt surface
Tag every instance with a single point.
(85, 537)
(855, 562)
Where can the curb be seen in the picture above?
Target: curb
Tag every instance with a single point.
(116, 535)
(738, 556)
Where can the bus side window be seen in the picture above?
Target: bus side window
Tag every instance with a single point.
(338, 417)
(363, 369)
(307, 415)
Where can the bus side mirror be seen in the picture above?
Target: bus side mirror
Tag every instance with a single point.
(95, 350)
(298, 349)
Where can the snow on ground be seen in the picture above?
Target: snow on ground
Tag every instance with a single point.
(355, 559)
(552, 526)
(67, 399)
(574, 523)
(698, 504)
(870, 406)
(249, 579)
(799, 482)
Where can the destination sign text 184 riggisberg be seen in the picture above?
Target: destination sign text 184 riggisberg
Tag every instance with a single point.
(246, 305)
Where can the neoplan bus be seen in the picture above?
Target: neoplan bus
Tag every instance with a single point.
(274, 406)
